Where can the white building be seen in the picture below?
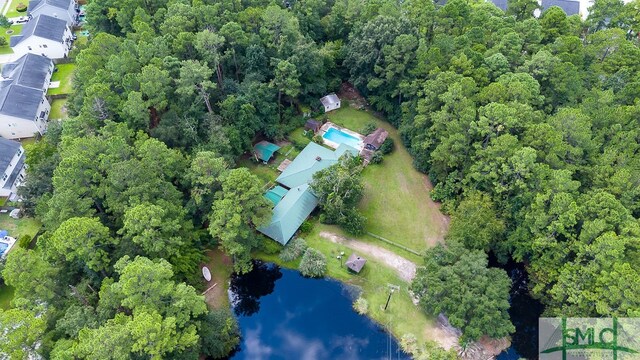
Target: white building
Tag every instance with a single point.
(330, 102)
(12, 168)
(24, 108)
(60, 9)
(43, 35)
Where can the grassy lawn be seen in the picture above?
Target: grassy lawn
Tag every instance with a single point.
(6, 295)
(221, 268)
(57, 111)
(396, 201)
(15, 30)
(374, 281)
(64, 74)
(12, 9)
(17, 228)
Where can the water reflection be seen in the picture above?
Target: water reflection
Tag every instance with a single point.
(283, 315)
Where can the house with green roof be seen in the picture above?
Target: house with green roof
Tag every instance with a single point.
(293, 198)
(264, 150)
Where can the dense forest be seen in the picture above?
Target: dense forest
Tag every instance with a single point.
(529, 128)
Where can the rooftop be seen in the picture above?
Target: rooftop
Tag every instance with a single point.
(290, 213)
(20, 101)
(30, 70)
(355, 262)
(264, 150)
(8, 149)
(62, 4)
(376, 138)
(330, 99)
(569, 7)
(311, 159)
(43, 26)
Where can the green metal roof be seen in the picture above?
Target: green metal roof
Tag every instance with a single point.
(311, 159)
(276, 194)
(290, 213)
(264, 150)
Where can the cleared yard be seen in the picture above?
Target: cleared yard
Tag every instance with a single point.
(396, 201)
(58, 110)
(63, 74)
(17, 228)
(7, 33)
(12, 12)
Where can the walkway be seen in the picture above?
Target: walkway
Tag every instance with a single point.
(405, 268)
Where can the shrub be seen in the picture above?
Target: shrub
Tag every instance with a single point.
(376, 158)
(353, 222)
(318, 139)
(24, 241)
(293, 250)
(409, 343)
(21, 7)
(270, 247)
(387, 146)
(306, 227)
(313, 264)
(368, 128)
(361, 306)
(3, 41)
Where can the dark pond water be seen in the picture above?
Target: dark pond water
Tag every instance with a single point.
(524, 313)
(283, 315)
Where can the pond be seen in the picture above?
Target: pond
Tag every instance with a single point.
(283, 315)
(524, 313)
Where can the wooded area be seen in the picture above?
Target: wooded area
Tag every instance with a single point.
(529, 128)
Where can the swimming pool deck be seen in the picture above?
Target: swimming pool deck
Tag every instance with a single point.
(335, 145)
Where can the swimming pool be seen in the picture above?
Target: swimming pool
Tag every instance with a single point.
(340, 137)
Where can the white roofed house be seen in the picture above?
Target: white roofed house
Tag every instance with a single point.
(60, 9)
(12, 168)
(43, 35)
(330, 102)
(24, 108)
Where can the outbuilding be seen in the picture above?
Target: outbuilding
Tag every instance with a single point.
(374, 140)
(330, 102)
(355, 263)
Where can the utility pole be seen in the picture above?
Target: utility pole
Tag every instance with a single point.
(389, 298)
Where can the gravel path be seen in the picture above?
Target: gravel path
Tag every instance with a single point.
(405, 268)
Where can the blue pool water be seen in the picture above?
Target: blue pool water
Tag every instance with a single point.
(283, 315)
(340, 137)
(3, 248)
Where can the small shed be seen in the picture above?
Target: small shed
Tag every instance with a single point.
(374, 140)
(312, 125)
(355, 262)
(264, 150)
(330, 102)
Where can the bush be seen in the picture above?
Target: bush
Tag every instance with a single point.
(24, 241)
(3, 41)
(409, 343)
(293, 250)
(387, 146)
(376, 158)
(270, 247)
(353, 222)
(361, 306)
(368, 128)
(306, 227)
(318, 139)
(313, 264)
(219, 333)
(21, 7)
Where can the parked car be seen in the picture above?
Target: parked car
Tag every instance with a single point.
(20, 20)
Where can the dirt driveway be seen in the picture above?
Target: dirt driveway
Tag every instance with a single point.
(405, 268)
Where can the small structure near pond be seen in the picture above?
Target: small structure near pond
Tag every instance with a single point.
(355, 263)
(374, 140)
(330, 102)
(264, 150)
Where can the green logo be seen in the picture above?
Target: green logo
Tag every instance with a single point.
(585, 335)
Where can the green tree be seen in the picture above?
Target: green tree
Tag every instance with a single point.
(457, 282)
(238, 210)
(476, 224)
(219, 333)
(195, 77)
(20, 333)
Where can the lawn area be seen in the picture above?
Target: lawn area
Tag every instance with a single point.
(13, 30)
(221, 268)
(396, 200)
(6, 295)
(57, 109)
(17, 228)
(64, 74)
(12, 9)
(374, 280)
